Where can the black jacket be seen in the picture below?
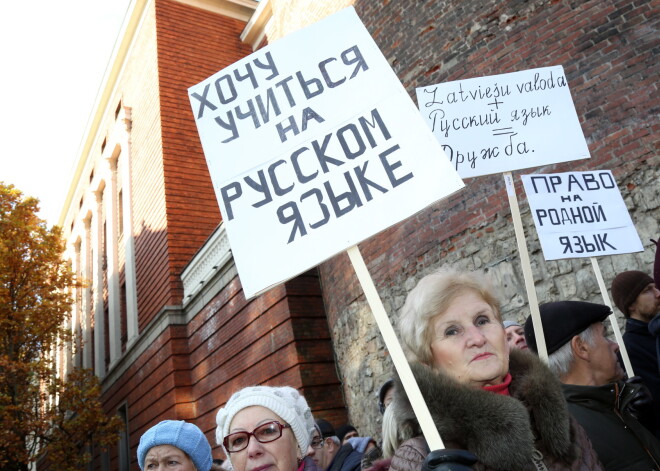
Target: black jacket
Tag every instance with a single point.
(503, 432)
(346, 459)
(619, 439)
(641, 348)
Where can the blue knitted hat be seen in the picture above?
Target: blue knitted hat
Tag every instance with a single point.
(183, 435)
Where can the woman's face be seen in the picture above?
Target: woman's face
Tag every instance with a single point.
(278, 455)
(469, 342)
(167, 457)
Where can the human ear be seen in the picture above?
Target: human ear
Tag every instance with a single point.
(580, 348)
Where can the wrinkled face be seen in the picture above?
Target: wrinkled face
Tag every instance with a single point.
(278, 455)
(604, 364)
(647, 304)
(515, 337)
(469, 342)
(167, 457)
(322, 456)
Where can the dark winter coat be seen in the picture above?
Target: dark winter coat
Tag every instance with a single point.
(642, 351)
(346, 459)
(505, 433)
(622, 443)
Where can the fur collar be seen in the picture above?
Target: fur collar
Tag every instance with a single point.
(502, 431)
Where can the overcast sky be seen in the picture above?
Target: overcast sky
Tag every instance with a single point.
(54, 56)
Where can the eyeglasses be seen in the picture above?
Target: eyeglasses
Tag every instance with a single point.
(317, 442)
(265, 433)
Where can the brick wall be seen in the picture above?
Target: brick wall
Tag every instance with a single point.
(292, 15)
(606, 48)
(140, 87)
(192, 45)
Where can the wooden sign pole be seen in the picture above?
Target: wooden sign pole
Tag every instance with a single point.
(612, 317)
(526, 267)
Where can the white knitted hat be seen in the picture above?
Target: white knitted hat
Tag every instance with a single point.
(285, 401)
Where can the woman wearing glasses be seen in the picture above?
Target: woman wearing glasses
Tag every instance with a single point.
(263, 428)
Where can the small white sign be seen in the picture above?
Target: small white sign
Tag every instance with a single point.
(313, 145)
(580, 214)
(506, 122)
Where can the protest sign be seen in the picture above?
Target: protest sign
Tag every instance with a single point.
(504, 122)
(313, 145)
(580, 214)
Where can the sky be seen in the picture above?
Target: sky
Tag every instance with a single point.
(54, 56)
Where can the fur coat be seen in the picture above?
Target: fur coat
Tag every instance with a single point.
(504, 432)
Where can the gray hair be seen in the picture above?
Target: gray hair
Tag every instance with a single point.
(561, 361)
(432, 297)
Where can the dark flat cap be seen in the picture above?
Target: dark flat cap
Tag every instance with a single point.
(326, 428)
(562, 320)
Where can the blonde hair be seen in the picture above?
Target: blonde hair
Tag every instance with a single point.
(390, 433)
(432, 297)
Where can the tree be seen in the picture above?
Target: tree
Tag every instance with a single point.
(35, 305)
(76, 421)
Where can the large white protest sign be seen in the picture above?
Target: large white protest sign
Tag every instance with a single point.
(313, 145)
(506, 122)
(580, 214)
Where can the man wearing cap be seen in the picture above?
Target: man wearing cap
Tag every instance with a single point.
(329, 454)
(515, 336)
(586, 363)
(637, 297)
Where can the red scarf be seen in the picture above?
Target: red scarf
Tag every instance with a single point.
(502, 388)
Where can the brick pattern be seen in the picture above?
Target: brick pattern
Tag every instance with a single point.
(280, 338)
(139, 87)
(292, 15)
(606, 48)
(189, 372)
(192, 45)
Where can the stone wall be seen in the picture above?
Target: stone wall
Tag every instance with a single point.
(606, 48)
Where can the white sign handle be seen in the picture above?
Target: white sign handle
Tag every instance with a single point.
(396, 352)
(612, 317)
(526, 267)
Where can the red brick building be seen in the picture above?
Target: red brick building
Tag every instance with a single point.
(164, 321)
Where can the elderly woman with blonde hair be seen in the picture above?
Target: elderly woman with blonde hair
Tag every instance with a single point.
(505, 407)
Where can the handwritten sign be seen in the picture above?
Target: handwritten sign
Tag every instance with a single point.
(580, 214)
(313, 145)
(505, 122)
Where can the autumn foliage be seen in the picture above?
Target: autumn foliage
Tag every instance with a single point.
(40, 413)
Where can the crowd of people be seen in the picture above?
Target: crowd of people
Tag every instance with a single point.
(496, 405)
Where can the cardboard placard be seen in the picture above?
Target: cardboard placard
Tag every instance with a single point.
(580, 214)
(506, 122)
(313, 145)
